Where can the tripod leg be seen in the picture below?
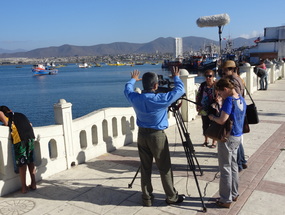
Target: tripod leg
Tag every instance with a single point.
(189, 151)
(200, 194)
(192, 151)
(201, 172)
(191, 164)
(131, 184)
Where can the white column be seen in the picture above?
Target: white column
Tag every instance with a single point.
(246, 73)
(271, 72)
(63, 116)
(188, 109)
(282, 68)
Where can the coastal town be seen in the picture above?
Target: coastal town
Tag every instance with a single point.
(271, 46)
(126, 58)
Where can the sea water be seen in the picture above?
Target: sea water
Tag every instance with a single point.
(87, 89)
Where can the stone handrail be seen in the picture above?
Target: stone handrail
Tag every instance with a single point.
(71, 142)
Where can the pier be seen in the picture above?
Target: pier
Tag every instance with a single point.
(84, 165)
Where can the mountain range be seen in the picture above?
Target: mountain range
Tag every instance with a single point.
(159, 45)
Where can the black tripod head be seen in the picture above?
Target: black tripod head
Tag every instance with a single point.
(177, 104)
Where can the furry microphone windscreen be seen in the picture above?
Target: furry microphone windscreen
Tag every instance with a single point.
(212, 21)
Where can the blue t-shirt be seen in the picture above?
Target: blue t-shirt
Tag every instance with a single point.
(235, 108)
(151, 108)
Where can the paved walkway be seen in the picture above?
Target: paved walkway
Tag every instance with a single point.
(100, 186)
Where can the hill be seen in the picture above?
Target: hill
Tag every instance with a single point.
(11, 51)
(161, 45)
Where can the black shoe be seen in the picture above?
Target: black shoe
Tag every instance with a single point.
(148, 202)
(244, 166)
(235, 198)
(223, 205)
(178, 201)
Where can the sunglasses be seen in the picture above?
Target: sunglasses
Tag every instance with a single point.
(208, 76)
(228, 69)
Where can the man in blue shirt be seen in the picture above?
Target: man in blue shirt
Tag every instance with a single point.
(151, 111)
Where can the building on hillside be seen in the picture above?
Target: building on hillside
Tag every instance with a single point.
(178, 47)
(271, 47)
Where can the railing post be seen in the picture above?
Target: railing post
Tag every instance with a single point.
(63, 116)
(188, 110)
(282, 68)
(251, 77)
(270, 69)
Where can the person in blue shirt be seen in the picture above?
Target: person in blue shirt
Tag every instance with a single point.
(234, 107)
(152, 119)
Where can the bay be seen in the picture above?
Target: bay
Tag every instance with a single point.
(87, 89)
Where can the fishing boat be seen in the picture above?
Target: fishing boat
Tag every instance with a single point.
(139, 63)
(98, 65)
(40, 69)
(130, 64)
(60, 65)
(209, 63)
(190, 64)
(116, 64)
(84, 65)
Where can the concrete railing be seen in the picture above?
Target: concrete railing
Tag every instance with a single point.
(70, 142)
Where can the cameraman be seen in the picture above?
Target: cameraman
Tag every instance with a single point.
(151, 112)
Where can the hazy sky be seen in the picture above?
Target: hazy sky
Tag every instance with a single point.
(30, 24)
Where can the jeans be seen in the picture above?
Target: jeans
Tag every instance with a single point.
(227, 157)
(240, 157)
(263, 80)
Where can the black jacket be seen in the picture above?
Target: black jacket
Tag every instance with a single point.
(22, 124)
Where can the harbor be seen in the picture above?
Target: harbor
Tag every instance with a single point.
(87, 89)
(85, 165)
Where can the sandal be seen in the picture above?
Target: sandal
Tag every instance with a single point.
(213, 146)
(25, 190)
(32, 187)
(205, 144)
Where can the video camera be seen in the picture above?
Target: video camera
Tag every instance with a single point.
(164, 85)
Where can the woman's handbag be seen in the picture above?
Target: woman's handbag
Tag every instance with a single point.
(219, 132)
(251, 111)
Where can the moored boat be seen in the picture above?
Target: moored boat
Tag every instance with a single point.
(209, 63)
(116, 64)
(40, 69)
(84, 65)
(98, 65)
(60, 65)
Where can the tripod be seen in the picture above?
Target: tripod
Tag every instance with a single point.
(188, 148)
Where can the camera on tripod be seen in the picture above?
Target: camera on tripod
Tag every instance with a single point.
(164, 85)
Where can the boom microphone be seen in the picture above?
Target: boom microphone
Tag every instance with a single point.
(212, 21)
